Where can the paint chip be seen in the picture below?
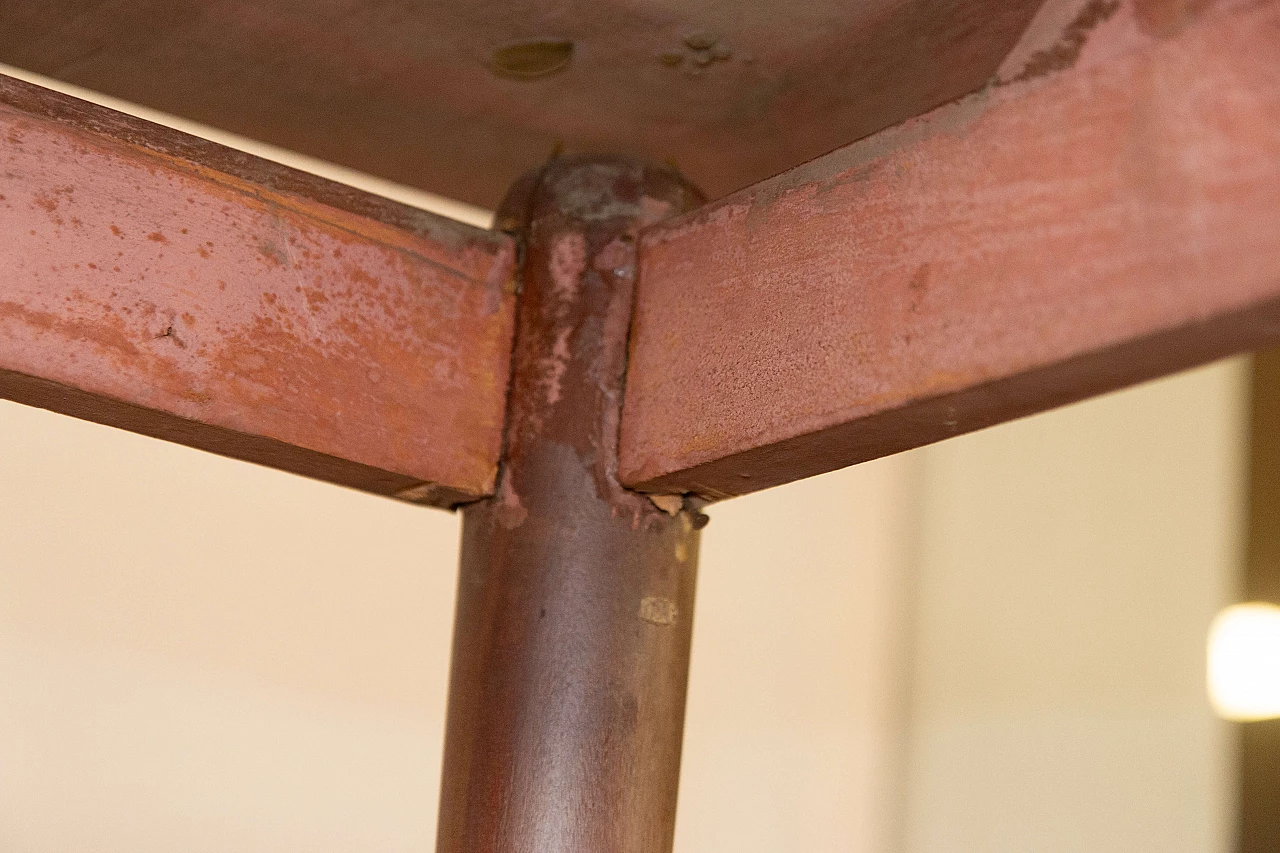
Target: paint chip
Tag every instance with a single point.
(670, 504)
(658, 611)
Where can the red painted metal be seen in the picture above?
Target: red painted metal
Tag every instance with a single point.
(156, 282)
(575, 599)
(1107, 211)
(732, 90)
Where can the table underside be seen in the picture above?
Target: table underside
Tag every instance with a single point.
(459, 97)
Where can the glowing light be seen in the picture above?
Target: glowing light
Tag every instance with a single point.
(1244, 662)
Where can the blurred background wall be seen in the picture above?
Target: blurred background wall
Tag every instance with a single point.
(995, 644)
(1069, 567)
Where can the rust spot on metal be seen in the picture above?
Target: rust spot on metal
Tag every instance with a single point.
(273, 253)
(171, 334)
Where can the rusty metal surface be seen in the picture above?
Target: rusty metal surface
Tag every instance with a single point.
(166, 285)
(575, 598)
(1109, 211)
(461, 96)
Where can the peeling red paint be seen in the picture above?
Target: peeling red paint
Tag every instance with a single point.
(556, 567)
(1111, 220)
(255, 318)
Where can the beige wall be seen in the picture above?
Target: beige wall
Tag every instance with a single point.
(1069, 567)
(796, 714)
(197, 654)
